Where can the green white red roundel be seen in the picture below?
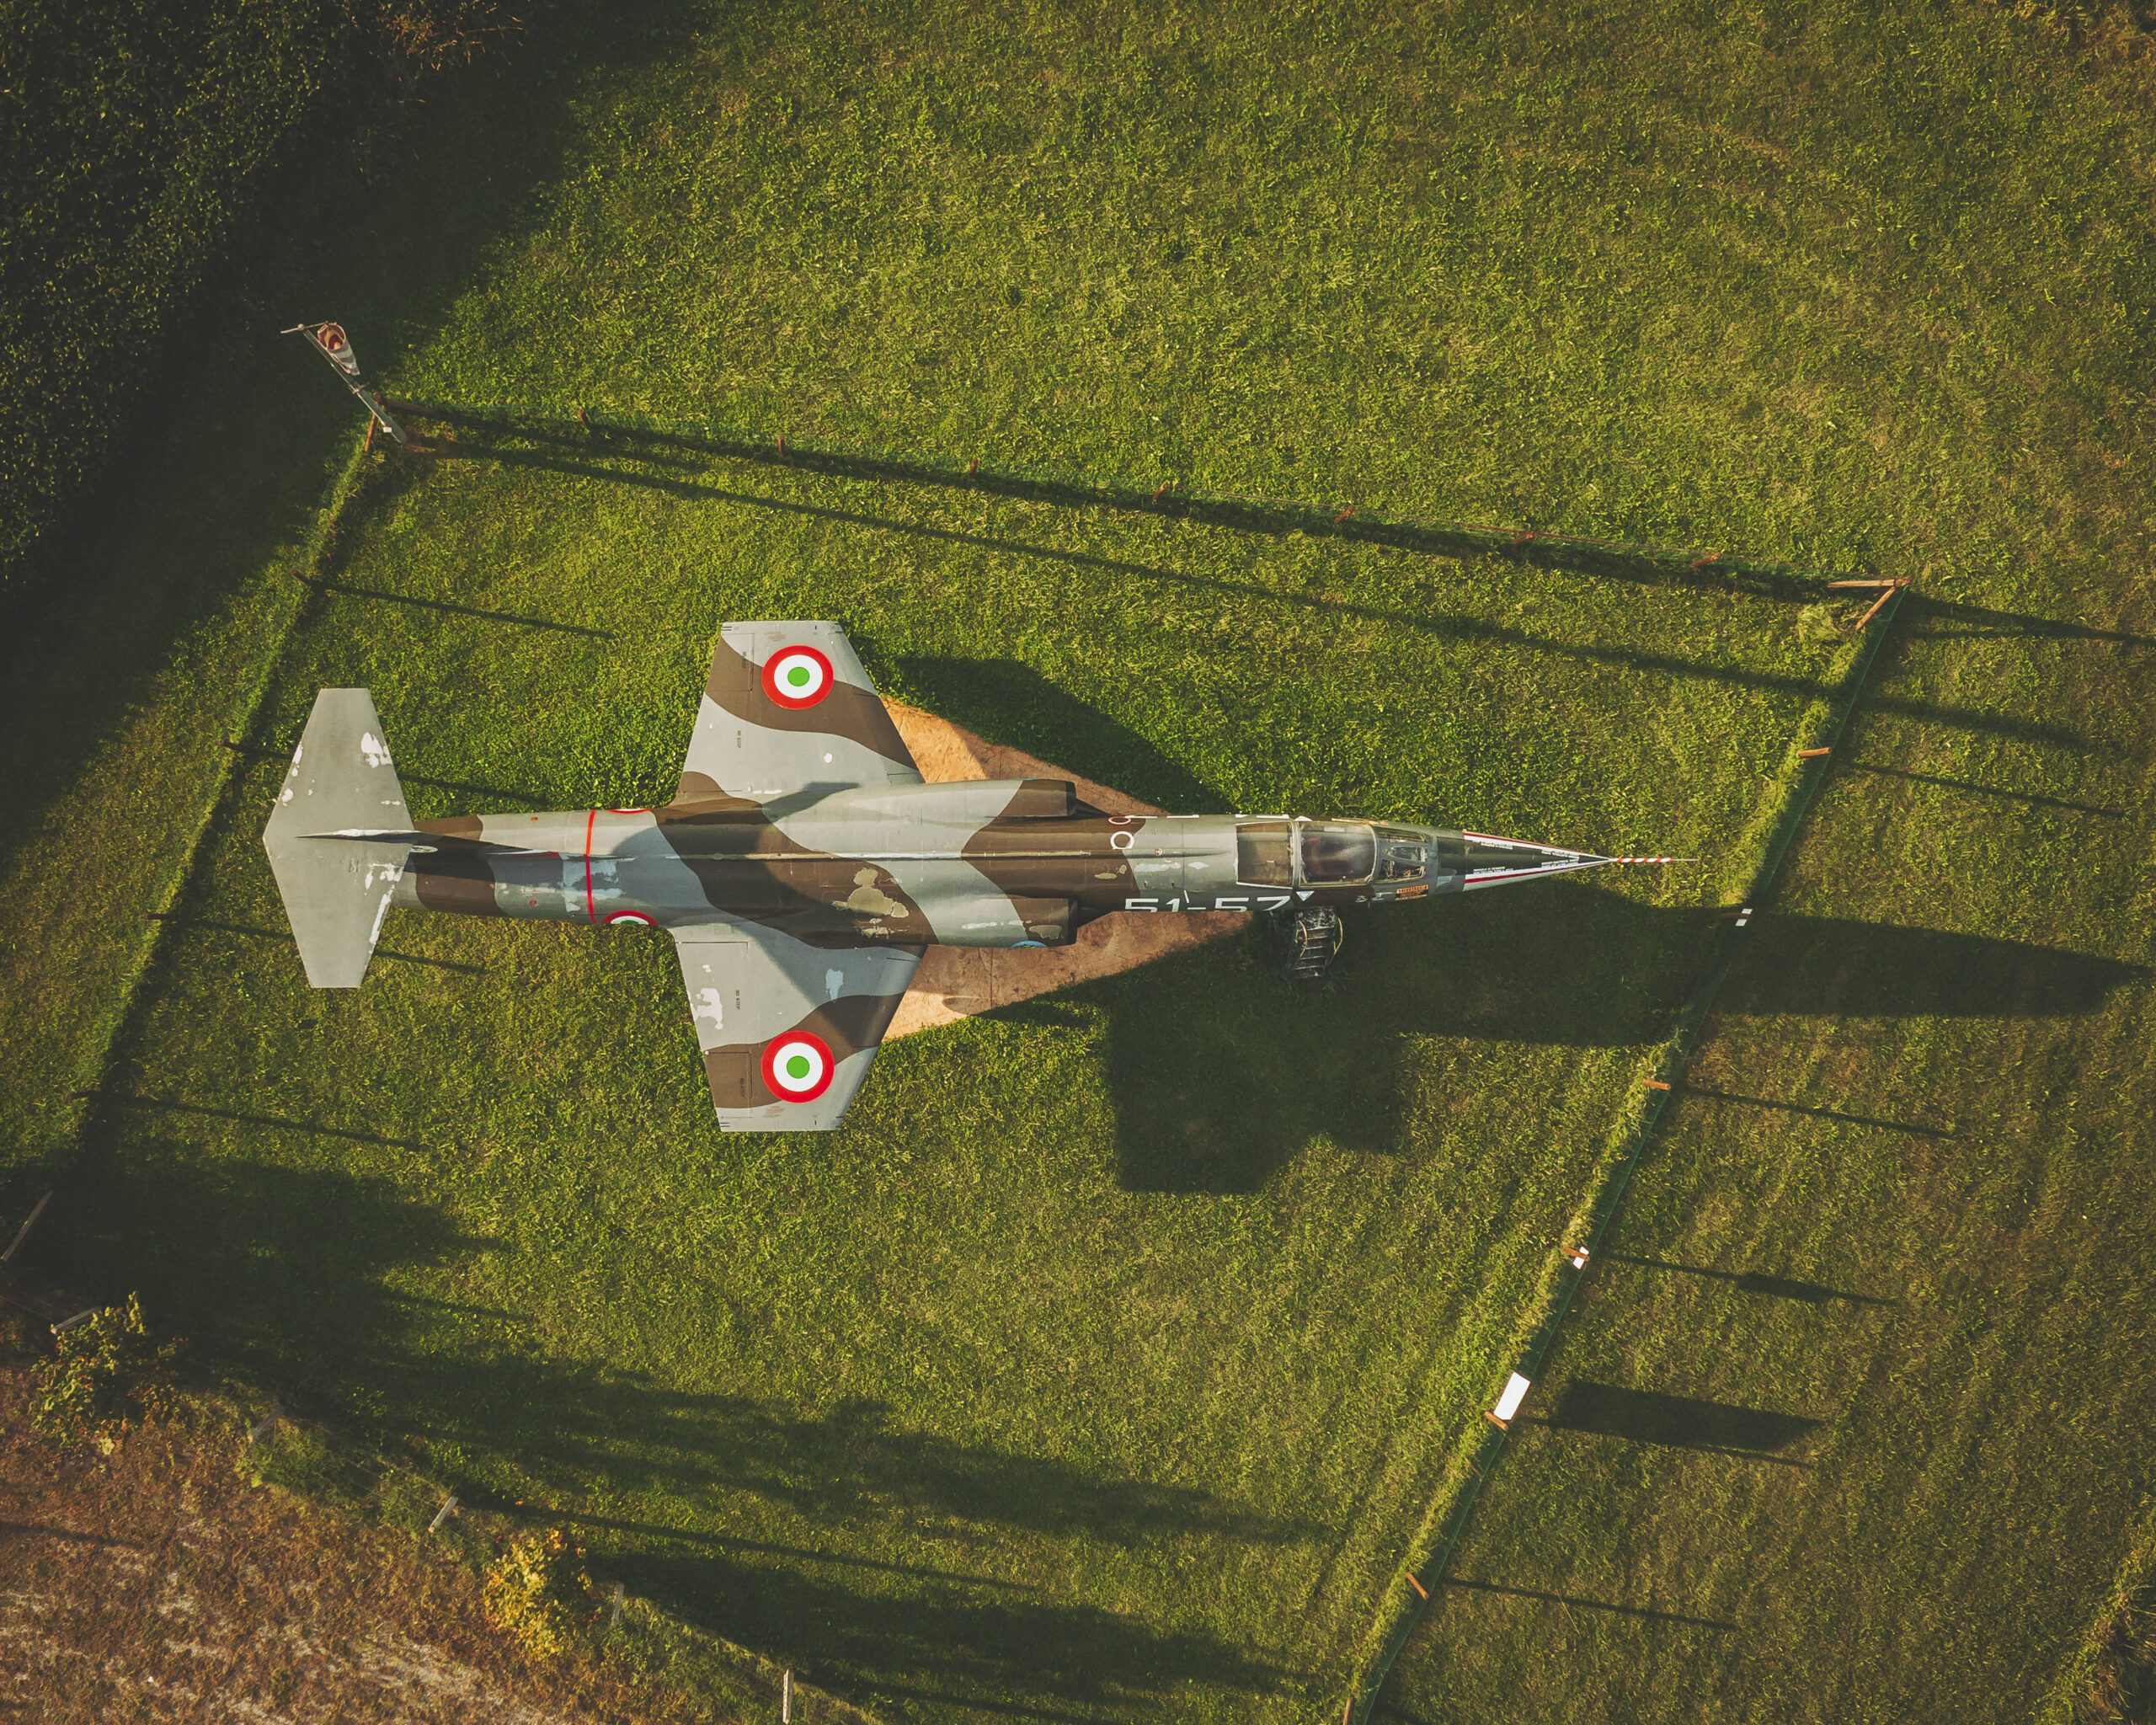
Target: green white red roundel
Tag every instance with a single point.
(798, 1066)
(796, 676)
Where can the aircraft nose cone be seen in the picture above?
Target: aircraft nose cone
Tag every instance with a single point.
(1490, 859)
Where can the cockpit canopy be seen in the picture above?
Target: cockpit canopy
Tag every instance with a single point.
(1302, 853)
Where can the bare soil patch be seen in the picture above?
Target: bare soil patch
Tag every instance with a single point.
(154, 1585)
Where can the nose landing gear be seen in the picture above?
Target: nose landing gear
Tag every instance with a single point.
(1309, 940)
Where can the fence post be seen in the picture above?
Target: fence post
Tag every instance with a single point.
(23, 1233)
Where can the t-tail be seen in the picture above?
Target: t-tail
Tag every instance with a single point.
(338, 838)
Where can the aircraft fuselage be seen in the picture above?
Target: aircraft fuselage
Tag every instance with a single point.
(975, 863)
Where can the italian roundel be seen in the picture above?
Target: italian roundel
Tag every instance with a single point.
(796, 676)
(798, 1066)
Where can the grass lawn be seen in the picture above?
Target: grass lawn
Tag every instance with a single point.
(1107, 1362)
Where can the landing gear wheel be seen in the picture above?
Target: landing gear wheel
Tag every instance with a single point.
(1310, 941)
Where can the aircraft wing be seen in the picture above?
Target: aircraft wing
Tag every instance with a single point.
(787, 1029)
(788, 708)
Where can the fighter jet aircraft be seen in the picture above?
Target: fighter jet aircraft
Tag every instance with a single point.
(803, 866)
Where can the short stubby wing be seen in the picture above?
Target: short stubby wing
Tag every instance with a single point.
(788, 709)
(787, 1029)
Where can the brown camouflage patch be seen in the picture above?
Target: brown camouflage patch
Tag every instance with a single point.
(737, 686)
(698, 787)
(458, 881)
(751, 870)
(847, 1026)
(1063, 851)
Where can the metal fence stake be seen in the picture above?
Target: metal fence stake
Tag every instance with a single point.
(23, 1233)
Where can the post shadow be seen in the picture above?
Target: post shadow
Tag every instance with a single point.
(1701, 1091)
(1577, 1603)
(1975, 789)
(1819, 965)
(172, 921)
(1752, 1282)
(1978, 623)
(1221, 1069)
(324, 584)
(1679, 1422)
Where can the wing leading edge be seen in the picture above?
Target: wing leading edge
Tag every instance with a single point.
(787, 1030)
(788, 707)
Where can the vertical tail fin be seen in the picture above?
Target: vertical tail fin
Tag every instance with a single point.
(336, 887)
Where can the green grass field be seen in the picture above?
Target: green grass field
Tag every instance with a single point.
(1107, 1364)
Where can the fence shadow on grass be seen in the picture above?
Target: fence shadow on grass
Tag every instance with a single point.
(582, 460)
(1221, 1069)
(295, 1273)
(615, 449)
(1019, 1659)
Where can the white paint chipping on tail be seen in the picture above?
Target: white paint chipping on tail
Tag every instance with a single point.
(337, 883)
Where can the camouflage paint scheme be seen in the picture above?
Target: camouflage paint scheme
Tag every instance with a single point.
(803, 866)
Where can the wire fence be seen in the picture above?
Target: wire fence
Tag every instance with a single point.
(628, 434)
(1814, 754)
(625, 433)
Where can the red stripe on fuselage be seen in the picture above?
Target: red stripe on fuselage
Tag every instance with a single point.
(590, 910)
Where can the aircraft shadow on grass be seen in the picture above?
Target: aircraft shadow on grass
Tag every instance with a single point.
(289, 1273)
(1221, 1070)
(1006, 700)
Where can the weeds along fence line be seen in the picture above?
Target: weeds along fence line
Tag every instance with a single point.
(624, 434)
(1811, 754)
(282, 604)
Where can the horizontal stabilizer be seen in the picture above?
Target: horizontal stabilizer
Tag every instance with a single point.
(342, 786)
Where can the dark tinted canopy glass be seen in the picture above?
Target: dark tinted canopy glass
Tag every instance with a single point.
(1333, 852)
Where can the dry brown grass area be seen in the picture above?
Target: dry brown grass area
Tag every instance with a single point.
(155, 1584)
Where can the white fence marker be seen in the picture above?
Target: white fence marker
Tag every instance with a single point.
(614, 1615)
(1501, 1415)
(786, 1700)
(268, 1421)
(67, 1324)
(448, 1509)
